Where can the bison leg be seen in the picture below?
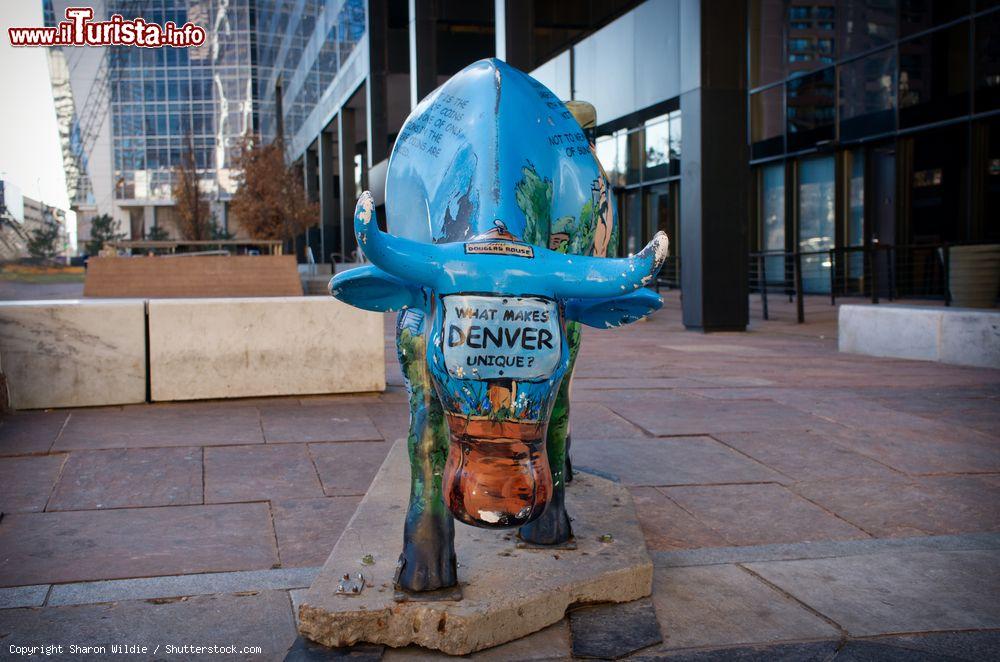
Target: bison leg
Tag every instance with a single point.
(427, 562)
(553, 527)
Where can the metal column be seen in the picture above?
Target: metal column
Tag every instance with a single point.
(346, 148)
(328, 213)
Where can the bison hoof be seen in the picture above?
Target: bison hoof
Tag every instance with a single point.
(421, 573)
(552, 528)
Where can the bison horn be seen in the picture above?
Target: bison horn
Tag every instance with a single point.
(406, 259)
(604, 277)
(552, 273)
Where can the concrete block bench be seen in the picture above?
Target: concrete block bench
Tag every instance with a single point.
(73, 353)
(962, 336)
(237, 348)
(92, 352)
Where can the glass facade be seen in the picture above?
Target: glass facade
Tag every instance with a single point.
(263, 70)
(867, 99)
(303, 47)
(848, 71)
(165, 101)
(880, 114)
(643, 164)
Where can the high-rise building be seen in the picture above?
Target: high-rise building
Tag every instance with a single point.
(128, 114)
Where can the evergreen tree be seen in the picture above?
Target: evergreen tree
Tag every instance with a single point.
(103, 229)
(156, 233)
(44, 241)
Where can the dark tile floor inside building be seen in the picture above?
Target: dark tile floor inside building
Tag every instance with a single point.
(798, 503)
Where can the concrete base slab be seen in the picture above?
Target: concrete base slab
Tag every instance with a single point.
(508, 592)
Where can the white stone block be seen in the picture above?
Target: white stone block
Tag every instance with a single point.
(906, 332)
(970, 337)
(231, 348)
(73, 353)
(962, 336)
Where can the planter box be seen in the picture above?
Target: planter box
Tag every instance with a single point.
(194, 276)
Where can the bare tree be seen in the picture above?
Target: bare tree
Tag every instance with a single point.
(192, 207)
(270, 202)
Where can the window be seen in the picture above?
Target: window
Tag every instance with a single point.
(633, 231)
(607, 153)
(934, 76)
(920, 15)
(810, 42)
(810, 109)
(657, 164)
(986, 178)
(767, 125)
(934, 176)
(867, 25)
(661, 215)
(987, 75)
(675, 142)
(868, 95)
(800, 45)
(766, 36)
(635, 153)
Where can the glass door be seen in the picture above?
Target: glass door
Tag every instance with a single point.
(772, 220)
(816, 221)
(661, 215)
(854, 227)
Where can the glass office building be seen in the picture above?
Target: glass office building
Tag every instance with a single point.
(875, 138)
(165, 101)
(129, 114)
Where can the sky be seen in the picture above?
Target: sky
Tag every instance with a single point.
(30, 155)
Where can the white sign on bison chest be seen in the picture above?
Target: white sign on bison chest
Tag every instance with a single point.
(500, 337)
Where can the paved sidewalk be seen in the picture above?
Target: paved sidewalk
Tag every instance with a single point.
(798, 502)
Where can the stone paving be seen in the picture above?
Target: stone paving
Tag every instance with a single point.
(798, 503)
